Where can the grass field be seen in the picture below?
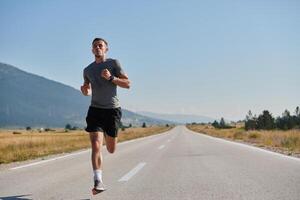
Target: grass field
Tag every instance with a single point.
(19, 145)
(287, 142)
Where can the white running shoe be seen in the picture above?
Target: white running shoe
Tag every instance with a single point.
(98, 187)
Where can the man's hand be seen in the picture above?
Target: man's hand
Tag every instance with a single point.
(105, 74)
(121, 81)
(85, 89)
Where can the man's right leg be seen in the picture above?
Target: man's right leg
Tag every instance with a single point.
(96, 139)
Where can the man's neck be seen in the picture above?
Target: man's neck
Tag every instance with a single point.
(100, 59)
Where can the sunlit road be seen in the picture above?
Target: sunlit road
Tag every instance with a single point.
(178, 164)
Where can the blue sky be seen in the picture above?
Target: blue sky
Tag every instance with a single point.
(212, 58)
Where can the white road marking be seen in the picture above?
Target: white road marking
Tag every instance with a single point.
(45, 161)
(134, 171)
(161, 147)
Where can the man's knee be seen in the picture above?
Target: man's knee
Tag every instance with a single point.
(111, 149)
(95, 145)
(96, 140)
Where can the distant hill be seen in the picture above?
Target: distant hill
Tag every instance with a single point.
(179, 118)
(137, 119)
(31, 100)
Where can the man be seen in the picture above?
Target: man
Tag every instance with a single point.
(101, 79)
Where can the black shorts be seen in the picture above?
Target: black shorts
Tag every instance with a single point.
(104, 120)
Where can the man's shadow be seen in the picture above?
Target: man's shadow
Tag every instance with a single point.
(21, 197)
(17, 197)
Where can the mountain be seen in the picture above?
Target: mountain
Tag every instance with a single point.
(137, 119)
(31, 100)
(179, 118)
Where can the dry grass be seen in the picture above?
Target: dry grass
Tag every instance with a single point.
(284, 141)
(19, 145)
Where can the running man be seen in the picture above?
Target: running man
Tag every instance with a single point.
(101, 79)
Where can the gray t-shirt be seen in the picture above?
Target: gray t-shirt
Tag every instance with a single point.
(104, 93)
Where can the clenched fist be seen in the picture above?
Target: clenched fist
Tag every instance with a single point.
(86, 89)
(105, 74)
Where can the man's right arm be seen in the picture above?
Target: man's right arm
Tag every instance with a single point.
(86, 87)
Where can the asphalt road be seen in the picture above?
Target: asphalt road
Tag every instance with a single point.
(178, 164)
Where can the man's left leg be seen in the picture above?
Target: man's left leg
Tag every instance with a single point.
(111, 143)
(111, 130)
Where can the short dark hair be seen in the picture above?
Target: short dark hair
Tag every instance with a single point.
(100, 39)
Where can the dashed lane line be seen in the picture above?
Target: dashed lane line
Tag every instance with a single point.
(133, 172)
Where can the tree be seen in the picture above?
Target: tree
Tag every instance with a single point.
(68, 127)
(144, 125)
(222, 123)
(297, 112)
(249, 116)
(280, 124)
(28, 128)
(265, 121)
(297, 117)
(215, 124)
(286, 114)
(287, 121)
(250, 123)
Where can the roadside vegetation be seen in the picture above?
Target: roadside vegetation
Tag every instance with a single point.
(20, 145)
(281, 134)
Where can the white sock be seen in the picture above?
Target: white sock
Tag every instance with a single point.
(98, 175)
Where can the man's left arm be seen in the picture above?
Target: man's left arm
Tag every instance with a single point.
(121, 81)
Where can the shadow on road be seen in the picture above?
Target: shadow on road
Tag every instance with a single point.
(17, 197)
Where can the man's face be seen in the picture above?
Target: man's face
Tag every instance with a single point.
(99, 48)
